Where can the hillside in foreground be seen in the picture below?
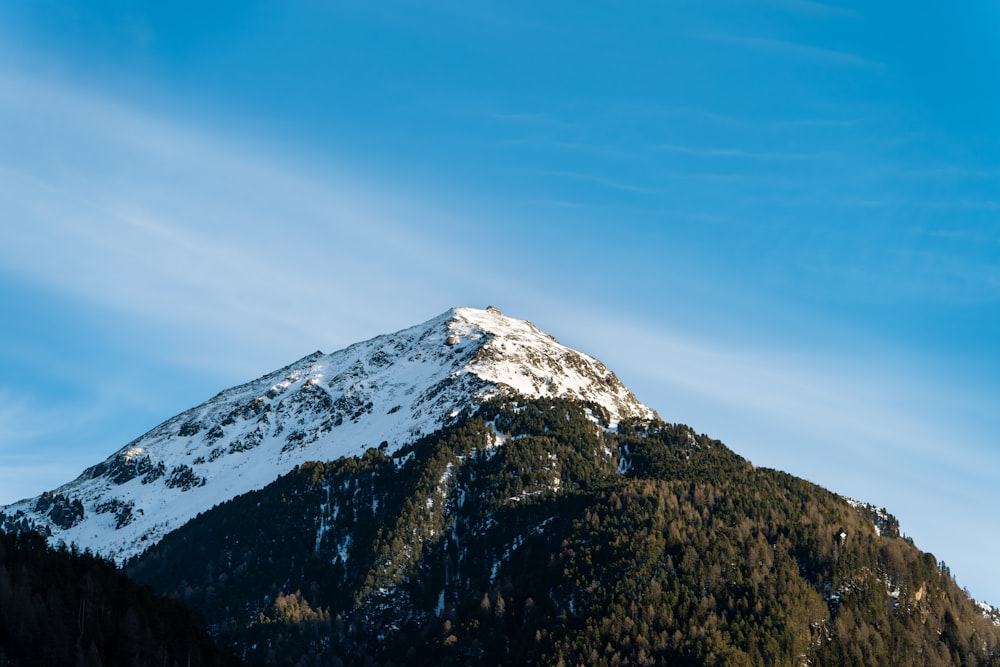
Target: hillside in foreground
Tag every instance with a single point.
(61, 608)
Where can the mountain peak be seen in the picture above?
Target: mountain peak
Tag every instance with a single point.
(387, 391)
(517, 355)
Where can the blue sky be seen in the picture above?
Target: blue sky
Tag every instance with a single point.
(778, 221)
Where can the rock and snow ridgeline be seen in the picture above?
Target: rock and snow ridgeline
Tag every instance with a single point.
(391, 389)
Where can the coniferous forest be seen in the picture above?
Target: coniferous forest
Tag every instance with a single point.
(60, 608)
(530, 534)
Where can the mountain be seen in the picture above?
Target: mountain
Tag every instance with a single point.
(391, 389)
(469, 491)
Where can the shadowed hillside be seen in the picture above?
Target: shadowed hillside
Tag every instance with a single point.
(63, 608)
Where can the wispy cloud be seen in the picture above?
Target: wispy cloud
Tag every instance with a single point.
(970, 204)
(705, 151)
(985, 235)
(534, 118)
(23, 426)
(747, 177)
(796, 50)
(596, 179)
(620, 211)
(167, 223)
(815, 122)
(18, 422)
(812, 8)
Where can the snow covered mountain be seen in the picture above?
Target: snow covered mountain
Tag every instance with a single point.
(385, 392)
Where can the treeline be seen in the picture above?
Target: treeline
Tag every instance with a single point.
(60, 608)
(564, 545)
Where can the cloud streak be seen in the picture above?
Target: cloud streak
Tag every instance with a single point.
(596, 179)
(796, 50)
(812, 8)
(709, 152)
(24, 425)
(171, 225)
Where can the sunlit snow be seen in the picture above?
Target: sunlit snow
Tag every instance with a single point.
(391, 389)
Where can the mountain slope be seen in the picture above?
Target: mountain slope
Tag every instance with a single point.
(529, 534)
(391, 389)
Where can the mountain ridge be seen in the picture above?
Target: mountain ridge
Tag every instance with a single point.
(386, 391)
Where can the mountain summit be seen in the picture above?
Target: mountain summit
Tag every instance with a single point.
(384, 392)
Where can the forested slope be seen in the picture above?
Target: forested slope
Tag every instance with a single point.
(63, 608)
(529, 534)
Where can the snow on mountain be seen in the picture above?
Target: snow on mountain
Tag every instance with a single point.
(391, 389)
(883, 522)
(989, 611)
